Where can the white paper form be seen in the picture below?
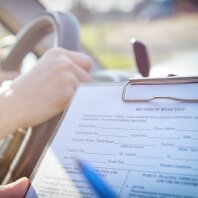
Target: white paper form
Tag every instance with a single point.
(141, 149)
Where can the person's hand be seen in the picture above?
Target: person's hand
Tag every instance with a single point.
(16, 189)
(46, 89)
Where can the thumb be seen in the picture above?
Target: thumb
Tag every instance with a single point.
(16, 189)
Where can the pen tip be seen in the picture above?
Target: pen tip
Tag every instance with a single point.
(79, 162)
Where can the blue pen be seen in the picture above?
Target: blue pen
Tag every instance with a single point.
(98, 184)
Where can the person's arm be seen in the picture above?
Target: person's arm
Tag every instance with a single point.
(8, 119)
(44, 91)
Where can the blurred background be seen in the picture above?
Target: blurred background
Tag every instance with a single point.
(169, 28)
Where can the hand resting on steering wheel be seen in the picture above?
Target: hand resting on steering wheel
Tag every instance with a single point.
(34, 97)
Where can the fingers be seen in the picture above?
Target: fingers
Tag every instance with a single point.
(81, 74)
(80, 59)
(71, 70)
(16, 189)
(71, 79)
(71, 76)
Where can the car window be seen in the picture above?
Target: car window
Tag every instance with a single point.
(167, 27)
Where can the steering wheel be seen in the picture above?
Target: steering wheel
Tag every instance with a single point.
(66, 35)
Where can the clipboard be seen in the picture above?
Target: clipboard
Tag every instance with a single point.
(123, 97)
(159, 81)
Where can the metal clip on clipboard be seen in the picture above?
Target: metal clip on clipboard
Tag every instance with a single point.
(160, 81)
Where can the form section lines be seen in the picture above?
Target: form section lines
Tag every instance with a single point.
(124, 183)
(109, 135)
(149, 157)
(126, 129)
(110, 154)
(166, 138)
(188, 130)
(141, 165)
(152, 145)
(100, 162)
(183, 159)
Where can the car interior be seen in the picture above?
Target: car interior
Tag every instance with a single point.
(35, 29)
